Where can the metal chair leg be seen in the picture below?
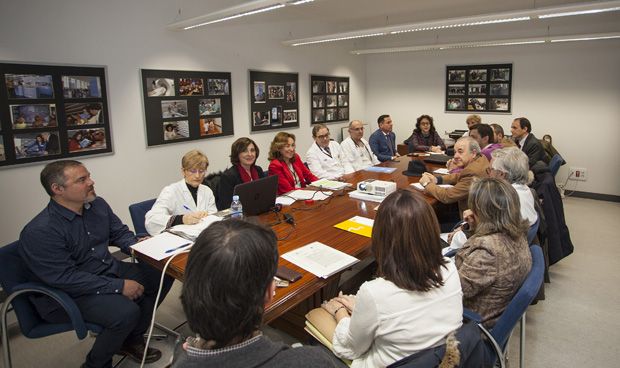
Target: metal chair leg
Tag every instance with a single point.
(522, 343)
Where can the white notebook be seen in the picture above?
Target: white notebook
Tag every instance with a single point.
(320, 259)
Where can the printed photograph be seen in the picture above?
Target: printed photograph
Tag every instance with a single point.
(86, 139)
(158, 87)
(477, 89)
(218, 87)
(318, 101)
(276, 92)
(259, 92)
(456, 104)
(477, 104)
(332, 86)
(456, 89)
(210, 106)
(260, 118)
(343, 114)
(81, 86)
(500, 75)
(318, 115)
(276, 116)
(456, 75)
(318, 87)
(191, 87)
(331, 114)
(210, 126)
(478, 75)
(36, 144)
(174, 109)
(499, 104)
(176, 130)
(343, 87)
(2, 155)
(29, 86)
(331, 100)
(84, 113)
(291, 92)
(289, 116)
(343, 100)
(499, 89)
(33, 116)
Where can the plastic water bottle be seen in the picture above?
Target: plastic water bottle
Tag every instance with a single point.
(236, 209)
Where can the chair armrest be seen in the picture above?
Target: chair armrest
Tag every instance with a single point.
(451, 253)
(62, 298)
(472, 316)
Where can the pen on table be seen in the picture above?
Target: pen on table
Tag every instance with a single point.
(177, 248)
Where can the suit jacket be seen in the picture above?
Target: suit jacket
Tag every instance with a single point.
(176, 199)
(461, 181)
(286, 182)
(533, 149)
(380, 145)
(228, 181)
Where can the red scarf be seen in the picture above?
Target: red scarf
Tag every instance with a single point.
(244, 174)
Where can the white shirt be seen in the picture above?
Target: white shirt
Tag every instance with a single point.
(357, 157)
(176, 199)
(389, 323)
(522, 141)
(526, 198)
(323, 164)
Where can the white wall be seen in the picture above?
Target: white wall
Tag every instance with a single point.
(126, 36)
(570, 91)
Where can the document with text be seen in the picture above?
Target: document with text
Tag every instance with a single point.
(320, 259)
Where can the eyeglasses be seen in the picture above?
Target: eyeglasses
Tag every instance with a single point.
(196, 171)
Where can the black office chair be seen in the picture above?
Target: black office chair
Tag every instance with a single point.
(15, 279)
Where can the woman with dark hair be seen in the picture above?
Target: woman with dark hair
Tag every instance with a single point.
(243, 155)
(425, 137)
(287, 165)
(496, 259)
(416, 299)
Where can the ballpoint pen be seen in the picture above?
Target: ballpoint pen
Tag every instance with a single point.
(187, 208)
(177, 248)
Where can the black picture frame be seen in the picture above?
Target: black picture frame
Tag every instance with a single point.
(479, 88)
(271, 94)
(329, 99)
(182, 105)
(50, 112)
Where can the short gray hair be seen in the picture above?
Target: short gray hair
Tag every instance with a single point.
(472, 145)
(54, 173)
(513, 162)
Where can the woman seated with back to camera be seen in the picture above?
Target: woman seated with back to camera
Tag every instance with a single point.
(416, 299)
(495, 260)
(186, 201)
(425, 137)
(243, 155)
(287, 165)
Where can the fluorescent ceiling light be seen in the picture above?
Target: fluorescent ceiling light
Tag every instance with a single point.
(590, 38)
(301, 2)
(338, 39)
(579, 12)
(457, 25)
(256, 11)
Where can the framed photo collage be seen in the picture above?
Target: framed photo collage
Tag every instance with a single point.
(182, 106)
(48, 112)
(329, 99)
(480, 88)
(273, 100)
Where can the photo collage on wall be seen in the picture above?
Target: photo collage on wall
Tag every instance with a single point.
(329, 99)
(274, 100)
(186, 105)
(480, 88)
(50, 112)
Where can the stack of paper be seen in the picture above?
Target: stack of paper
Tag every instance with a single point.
(191, 232)
(320, 259)
(366, 196)
(380, 169)
(357, 225)
(419, 186)
(162, 245)
(329, 184)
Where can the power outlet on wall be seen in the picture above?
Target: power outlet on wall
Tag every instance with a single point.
(578, 173)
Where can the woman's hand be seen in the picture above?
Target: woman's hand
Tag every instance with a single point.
(193, 217)
(470, 218)
(332, 307)
(348, 301)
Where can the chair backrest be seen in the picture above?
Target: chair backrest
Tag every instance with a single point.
(521, 300)
(555, 163)
(12, 273)
(138, 213)
(531, 233)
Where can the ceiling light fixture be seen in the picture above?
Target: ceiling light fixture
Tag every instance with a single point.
(338, 39)
(493, 21)
(234, 16)
(579, 12)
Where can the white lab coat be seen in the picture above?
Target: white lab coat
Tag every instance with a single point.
(322, 165)
(172, 201)
(356, 158)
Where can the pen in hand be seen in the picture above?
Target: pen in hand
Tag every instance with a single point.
(177, 248)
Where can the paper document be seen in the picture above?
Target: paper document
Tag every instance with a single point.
(162, 246)
(380, 169)
(437, 153)
(442, 171)
(366, 197)
(301, 194)
(419, 186)
(329, 184)
(357, 225)
(320, 259)
(285, 201)
(192, 231)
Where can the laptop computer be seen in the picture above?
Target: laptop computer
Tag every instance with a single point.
(437, 159)
(258, 196)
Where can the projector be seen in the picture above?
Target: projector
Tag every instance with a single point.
(376, 187)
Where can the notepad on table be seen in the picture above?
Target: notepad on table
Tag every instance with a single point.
(162, 245)
(319, 259)
(357, 225)
(191, 232)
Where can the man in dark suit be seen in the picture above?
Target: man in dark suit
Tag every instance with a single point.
(521, 129)
(383, 140)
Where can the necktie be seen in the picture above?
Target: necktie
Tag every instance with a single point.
(387, 136)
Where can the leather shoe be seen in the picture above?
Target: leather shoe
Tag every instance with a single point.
(135, 351)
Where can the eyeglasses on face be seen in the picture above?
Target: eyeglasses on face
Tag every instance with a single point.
(196, 171)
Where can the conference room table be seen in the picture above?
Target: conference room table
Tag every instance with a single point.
(315, 222)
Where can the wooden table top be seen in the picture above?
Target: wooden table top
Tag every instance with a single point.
(316, 222)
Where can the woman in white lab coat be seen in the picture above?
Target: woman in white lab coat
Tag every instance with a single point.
(183, 202)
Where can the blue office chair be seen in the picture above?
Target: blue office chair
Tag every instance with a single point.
(497, 337)
(138, 213)
(555, 163)
(533, 230)
(15, 279)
